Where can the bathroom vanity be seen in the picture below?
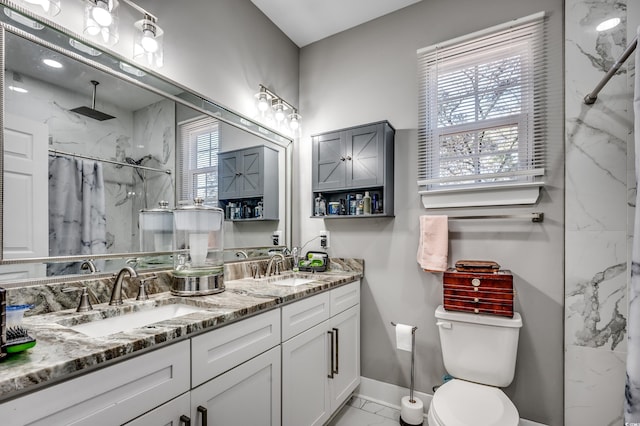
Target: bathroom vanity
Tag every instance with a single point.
(258, 353)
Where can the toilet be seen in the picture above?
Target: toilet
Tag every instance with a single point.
(479, 351)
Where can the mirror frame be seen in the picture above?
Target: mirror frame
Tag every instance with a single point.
(56, 38)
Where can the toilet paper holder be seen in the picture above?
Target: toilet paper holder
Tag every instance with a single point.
(413, 351)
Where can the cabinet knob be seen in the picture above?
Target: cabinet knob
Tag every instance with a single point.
(349, 157)
(238, 174)
(342, 158)
(475, 282)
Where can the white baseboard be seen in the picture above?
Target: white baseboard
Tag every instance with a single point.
(390, 395)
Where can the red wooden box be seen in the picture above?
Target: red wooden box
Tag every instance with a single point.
(480, 293)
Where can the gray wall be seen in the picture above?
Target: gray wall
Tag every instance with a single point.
(368, 74)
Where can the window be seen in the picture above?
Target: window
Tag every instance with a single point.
(481, 115)
(198, 161)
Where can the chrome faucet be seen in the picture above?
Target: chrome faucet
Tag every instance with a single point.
(243, 254)
(271, 262)
(89, 265)
(116, 294)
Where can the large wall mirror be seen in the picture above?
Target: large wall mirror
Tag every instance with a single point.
(89, 141)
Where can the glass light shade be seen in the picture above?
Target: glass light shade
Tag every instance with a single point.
(294, 121)
(46, 7)
(278, 108)
(101, 21)
(263, 100)
(148, 43)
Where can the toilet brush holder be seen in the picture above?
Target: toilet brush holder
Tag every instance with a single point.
(411, 408)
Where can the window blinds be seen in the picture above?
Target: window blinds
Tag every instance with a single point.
(198, 160)
(483, 105)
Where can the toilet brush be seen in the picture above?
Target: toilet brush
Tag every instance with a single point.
(412, 408)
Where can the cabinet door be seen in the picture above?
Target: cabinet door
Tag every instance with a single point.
(329, 162)
(229, 169)
(109, 396)
(305, 366)
(252, 173)
(169, 414)
(346, 377)
(365, 156)
(247, 395)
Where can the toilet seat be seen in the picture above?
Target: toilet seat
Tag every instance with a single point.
(461, 403)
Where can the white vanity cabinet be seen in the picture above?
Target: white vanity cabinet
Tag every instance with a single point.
(321, 362)
(236, 373)
(109, 396)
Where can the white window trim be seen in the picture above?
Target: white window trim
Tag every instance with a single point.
(495, 194)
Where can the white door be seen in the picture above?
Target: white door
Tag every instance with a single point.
(346, 326)
(305, 370)
(249, 394)
(26, 193)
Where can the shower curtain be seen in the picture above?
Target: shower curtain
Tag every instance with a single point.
(77, 214)
(632, 387)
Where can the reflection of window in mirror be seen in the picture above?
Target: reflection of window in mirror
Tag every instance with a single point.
(199, 143)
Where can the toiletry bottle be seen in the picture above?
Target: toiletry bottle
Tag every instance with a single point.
(374, 204)
(359, 205)
(366, 203)
(320, 206)
(350, 202)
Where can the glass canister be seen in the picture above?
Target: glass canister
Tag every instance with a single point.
(198, 267)
(156, 233)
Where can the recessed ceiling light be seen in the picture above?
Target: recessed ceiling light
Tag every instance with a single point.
(608, 24)
(52, 63)
(18, 89)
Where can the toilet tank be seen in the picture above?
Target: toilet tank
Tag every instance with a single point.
(479, 348)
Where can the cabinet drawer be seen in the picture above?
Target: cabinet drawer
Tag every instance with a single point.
(344, 297)
(220, 350)
(112, 395)
(300, 316)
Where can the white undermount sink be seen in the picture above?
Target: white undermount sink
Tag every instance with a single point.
(292, 281)
(108, 326)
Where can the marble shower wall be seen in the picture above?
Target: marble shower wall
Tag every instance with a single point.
(132, 134)
(598, 225)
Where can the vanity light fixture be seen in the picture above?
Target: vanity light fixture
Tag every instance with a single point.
(274, 110)
(148, 41)
(52, 63)
(101, 20)
(47, 7)
(608, 24)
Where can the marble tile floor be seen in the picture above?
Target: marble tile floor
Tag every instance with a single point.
(360, 412)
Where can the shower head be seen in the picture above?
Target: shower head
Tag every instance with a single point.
(93, 112)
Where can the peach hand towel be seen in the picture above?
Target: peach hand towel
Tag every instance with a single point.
(433, 246)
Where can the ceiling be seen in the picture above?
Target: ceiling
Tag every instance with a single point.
(307, 21)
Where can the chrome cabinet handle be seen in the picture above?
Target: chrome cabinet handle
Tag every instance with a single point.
(203, 414)
(337, 352)
(331, 371)
(342, 158)
(349, 157)
(185, 420)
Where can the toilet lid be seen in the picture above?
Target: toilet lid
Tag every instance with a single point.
(461, 403)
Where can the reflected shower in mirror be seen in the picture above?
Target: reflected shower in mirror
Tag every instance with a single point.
(86, 149)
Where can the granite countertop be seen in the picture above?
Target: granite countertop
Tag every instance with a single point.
(61, 352)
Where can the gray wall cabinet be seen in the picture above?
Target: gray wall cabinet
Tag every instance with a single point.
(247, 177)
(355, 160)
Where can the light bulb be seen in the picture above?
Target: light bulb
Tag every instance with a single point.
(52, 63)
(93, 30)
(608, 24)
(148, 42)
(100, 13)
(279, 112)
(263, 104)
(294, 123)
